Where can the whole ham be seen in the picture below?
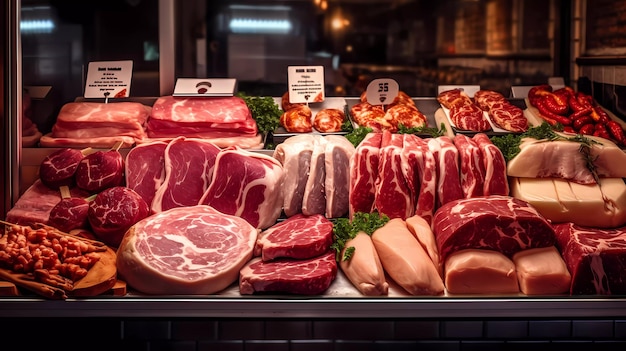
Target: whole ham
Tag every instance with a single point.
(496, 222)
(186, 250)
(246, 184)
(312, 276)
(113, 211)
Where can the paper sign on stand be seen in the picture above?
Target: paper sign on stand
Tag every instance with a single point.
(108, 79)
(306, 84)
(382, 91)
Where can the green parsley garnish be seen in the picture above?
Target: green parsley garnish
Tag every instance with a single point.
(264, 111)
(345, 229)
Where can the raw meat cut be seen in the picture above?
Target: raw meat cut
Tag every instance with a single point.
(337, 154)
(421, 230)
(472, 166)
(596, 258)
(563, 159)
(424, 168)
(329, 120)
(189, 165)
(299, 236)
(363, 174)
(372, 116)
(113, 211)
(312, 276)
(542, 271)
(314, 198)
(228, 114)
(495, 222)
(297, 119)
(85, 120)
(294, 154)
(104, 142)
(448, 169)
(100, 170)
(476, 271)
(35, 204)
(469, 117)
(405, 260)
(186, 250)
(69, 214)
(58, 168)
(145, 169)
(496, 179)
(363, 268)
(393, 195)
(246, 184)
(501, 111)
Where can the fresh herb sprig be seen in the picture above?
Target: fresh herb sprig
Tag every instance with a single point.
(264, 111)
(357, 135)
(430, 131)
(345, 229)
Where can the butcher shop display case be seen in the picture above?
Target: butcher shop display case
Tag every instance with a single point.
(29, 62)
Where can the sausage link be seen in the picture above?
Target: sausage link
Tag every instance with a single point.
(616, 131)
(587, 129)
(580, 121)
(550, 116)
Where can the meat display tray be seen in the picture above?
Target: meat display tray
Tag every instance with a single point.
(428, 106)
(495, 130)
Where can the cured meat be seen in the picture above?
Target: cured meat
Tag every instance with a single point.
(402, 110)
(215, 114)
(246, 184)
(314, 199)
(595, 258)
(448, 169)
(407, 115)
(496, 222)
(113, 211)
(192, 250)
(312, 276)
(337, 154)
(475, 271)
(297, 119)
(59, 168)
(463, 113)
(298, 237)
(145, 169)
(542, 271)
(329, 120)
(69, 214)
(393, 196)
(86, 120)
(104, 142)
(294, 154)
(189, 164)
(472, 166)
(363, 174)
(405, 261)
(423, 181)
(501, 111)
(100, 170)
(496, 179)
(35, 204)
(563, 159)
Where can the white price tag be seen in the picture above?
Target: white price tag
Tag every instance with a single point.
(108, 79)
(382, 91)
(306, 84)
(193, 87)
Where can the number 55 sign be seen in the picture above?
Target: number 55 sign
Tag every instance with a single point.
(382, 91)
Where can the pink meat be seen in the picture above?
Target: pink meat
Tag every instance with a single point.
(393, 195)
(69, 214)
(145, 169)
(496, 222)
(596, 258)
(59, 168)
(496, 178)
(448, 169)
(299, 236)
(303, 277)
(189, 165)
(246, 184)
(363, 174)
(424, 180)
(192, 250)
(100, 170)
(472, 166)
(469, 117)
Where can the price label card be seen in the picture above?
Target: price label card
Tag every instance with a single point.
(306, 84)
(382, 91)
(194, 87)
(108, 79)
